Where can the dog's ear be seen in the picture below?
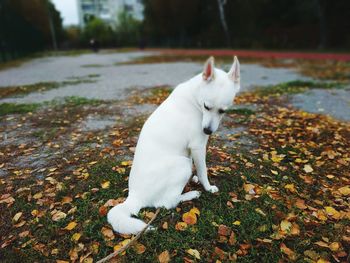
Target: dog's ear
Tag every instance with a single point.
(235, 72)
(208, 71)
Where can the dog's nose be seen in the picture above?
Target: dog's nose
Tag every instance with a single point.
(207, 131)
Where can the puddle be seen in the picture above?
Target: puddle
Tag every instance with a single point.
(97, 122)
(333, 102)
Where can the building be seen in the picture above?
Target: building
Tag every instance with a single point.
(108, 10)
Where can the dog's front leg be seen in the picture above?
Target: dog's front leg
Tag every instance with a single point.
(198, 156)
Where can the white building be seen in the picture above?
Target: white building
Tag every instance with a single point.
(108, 10)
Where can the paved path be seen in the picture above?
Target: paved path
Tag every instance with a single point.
(114, 80)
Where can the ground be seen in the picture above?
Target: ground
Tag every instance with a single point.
(69, 127)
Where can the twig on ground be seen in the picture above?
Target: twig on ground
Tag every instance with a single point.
(132, 241)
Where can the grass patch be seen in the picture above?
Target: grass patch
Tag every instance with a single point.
(294, 87)
(241, 111)
(15, 91)
(13, 108)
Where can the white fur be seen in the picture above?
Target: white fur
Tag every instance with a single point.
(170, 139)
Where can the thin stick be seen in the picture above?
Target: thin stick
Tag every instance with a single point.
(132, 241)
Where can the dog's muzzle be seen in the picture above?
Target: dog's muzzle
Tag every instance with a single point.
(207, 131)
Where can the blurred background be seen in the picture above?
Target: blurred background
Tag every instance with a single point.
(28, 26)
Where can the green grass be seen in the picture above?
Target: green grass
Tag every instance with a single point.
(294, 87)
(12, 108)
(241, 111)
(16, 91)
(73, 101)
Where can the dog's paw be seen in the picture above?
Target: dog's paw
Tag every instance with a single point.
(213, 189)
(195, 179)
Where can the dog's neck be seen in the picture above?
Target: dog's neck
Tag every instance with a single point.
(189, 90)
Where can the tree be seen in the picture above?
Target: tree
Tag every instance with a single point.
(221, 5)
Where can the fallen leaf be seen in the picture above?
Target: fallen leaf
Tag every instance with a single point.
(181, 226)
(224, 230)
(332, 212)
(334, 246)
(139, 248)
(107, 233)
(17, 216)
(105, 184)
(290, 253)
(58, 216)
(71, 226)
(307, 168)
(164, 257)
(189, 218)
(194, 253)
(290, 187)
(285, 225)
(345, 190)
(75, 237)
(237, 223)
(121, 244)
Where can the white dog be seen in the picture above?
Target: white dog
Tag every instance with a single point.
(175, 134)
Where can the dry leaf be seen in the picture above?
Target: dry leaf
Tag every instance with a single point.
(17, 216)
(194, 253)
(290, 253)
(71, 226)
(181, 226)
(164, 257)
(189, 218)
(58, 216)
(307, 168)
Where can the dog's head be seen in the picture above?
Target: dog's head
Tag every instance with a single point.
(217, 92)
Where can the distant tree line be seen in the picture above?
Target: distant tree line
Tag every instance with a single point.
(25, 27)
(278, 24)
(248, 23)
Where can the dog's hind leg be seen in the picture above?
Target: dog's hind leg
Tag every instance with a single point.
(189, 196)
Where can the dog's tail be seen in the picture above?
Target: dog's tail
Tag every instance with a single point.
(120, 217)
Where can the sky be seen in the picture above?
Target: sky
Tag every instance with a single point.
(68, 10)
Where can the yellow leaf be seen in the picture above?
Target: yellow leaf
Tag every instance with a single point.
(121, 244)
(345, 190)
(58, 216)
(290, 187)
(17, 216)
(290, 253)
(164, 257)
(321, 260)
(285, 225)
(76, 237)
(71, 226)
(334, 246)
(189, 218)
(194, 253)
(308, 168)
(295, 230)
(139, 248)
(195, 210)
(274, 172)
(332, 212)
(181, 226)
(105, 184)
(38, 195)
(237, 223)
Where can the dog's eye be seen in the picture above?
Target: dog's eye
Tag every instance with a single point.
(206, 107)
(221, 111)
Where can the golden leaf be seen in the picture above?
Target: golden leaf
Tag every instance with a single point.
(290, 253)
(189, 218)
(164, 257)
(345, 190)
(194, 253)
(105, 184)
(71, 226)
(181, 226)
(307, 168)
(17, 216)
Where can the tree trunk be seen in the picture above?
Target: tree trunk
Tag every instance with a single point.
(221, 4)
(323, 31)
